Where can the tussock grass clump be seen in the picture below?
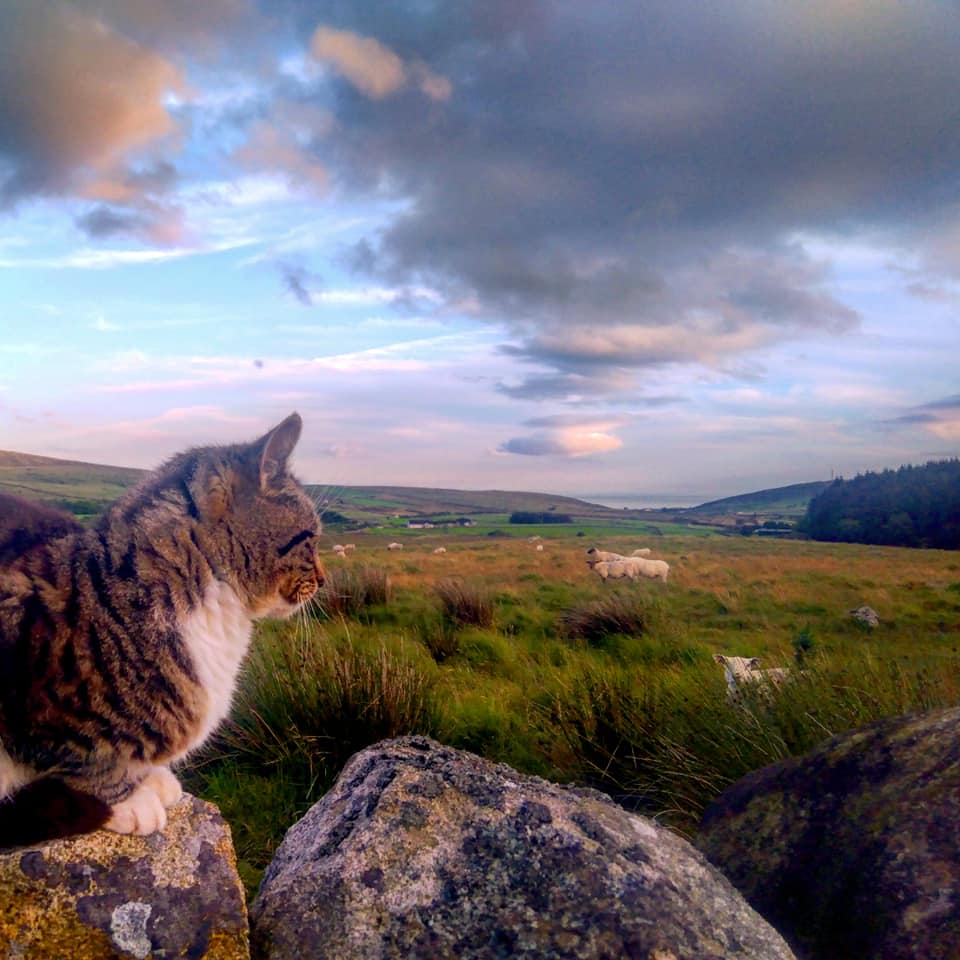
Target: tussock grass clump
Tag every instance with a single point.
(348, 591)
(440, 638)
(305, 704)
(598, 621)
(464, 604)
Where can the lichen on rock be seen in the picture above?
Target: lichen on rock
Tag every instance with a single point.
(103, 895)
(853, 850)
(420, 850)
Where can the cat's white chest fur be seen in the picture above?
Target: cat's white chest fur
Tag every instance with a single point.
(217, 635)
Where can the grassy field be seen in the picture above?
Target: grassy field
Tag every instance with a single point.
(525, 657)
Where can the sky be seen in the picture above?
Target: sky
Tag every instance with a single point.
(647, 248)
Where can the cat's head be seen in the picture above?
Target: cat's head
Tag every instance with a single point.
(262, 521)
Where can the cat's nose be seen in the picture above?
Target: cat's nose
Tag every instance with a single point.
(318, 567)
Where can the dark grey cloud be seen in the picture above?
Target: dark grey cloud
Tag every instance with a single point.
(534, 446)
(103, 221)
(947, 403)
(939, 417)
(607, 170)
(300, 281)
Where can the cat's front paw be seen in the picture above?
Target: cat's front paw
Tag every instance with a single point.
(166, 786)
(141, 813)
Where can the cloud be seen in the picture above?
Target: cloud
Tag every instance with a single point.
(286, 141)
(80, 106)
(160, 224)
(105, 258)
(939, 417)
(560, 436)
(373, 68)
(606, 187)
(298, 280)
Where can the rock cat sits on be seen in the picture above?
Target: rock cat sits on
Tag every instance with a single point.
(120, 644)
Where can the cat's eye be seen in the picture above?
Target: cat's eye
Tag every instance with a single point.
(293, 541)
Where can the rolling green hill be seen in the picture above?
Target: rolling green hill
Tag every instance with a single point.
(790, 501)
(82, 488)
(429, 501)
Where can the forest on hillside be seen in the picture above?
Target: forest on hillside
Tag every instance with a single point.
(914, 506)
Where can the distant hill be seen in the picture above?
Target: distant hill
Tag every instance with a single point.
(82, 488)
(786, 501)
(87, 488)
(433, 501)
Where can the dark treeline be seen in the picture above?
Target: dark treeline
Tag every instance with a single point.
(522, 516)
(910, 507)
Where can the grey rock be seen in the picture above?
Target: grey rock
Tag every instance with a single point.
(420, 850)
(852, 851)
(865, 615)
(173, 894)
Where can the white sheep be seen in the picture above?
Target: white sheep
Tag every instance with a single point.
(642, 552)
(339, 549)
(539, 548)
(654, 569)
(632, 568)
(394, 546)
(440, 550)
(614, 570)
(747, 670)
(595, 556)
(534, 539)
(349, 546)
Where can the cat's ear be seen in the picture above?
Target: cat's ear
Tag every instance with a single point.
(274, 448)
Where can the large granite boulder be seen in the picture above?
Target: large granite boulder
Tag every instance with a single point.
(102, 895)
(420, 850)
(853, 850)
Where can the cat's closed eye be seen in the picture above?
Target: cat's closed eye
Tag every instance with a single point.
(293, 541)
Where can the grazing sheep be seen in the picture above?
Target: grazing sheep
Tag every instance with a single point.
(654, 569)
(595, 556)
(394, 546)
(440, 550)
(533, 539)
(632, 568)
(349, 546)
(614, 570)
(339, 548)
(746, 670)
(642, 552)
(539, 548)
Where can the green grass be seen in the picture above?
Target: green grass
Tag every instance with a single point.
(629, 700)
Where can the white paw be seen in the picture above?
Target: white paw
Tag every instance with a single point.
(141, 813)
(164, 784)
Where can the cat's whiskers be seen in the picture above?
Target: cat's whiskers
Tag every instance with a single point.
(323, 498)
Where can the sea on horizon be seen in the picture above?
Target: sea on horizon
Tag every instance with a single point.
(647, 501)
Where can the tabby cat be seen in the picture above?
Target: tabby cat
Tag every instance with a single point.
(24, 524)
(120, 644)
